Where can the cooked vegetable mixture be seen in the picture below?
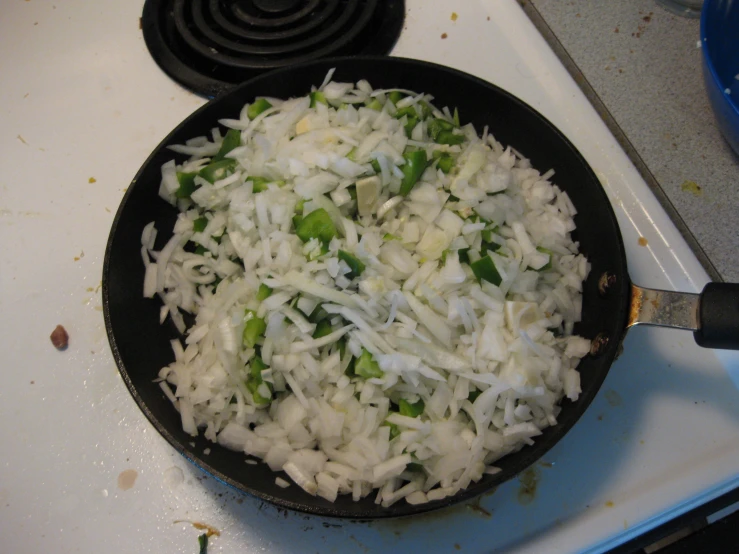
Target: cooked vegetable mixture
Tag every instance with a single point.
(382, 299)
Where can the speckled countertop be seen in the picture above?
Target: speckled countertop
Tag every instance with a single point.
(644, 64)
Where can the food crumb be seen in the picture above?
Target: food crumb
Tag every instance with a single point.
(443, 35)
(642, 241)
(26, 95)
(609, 504)
(33, 382)
(454, 16)
(127, 479)
(78, 258)
(140, 23)
(209, 529)
(615, 30)
(59, 337)
(20, 138)
(92, 180)
(456, 546)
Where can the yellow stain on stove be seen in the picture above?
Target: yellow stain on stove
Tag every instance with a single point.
(692, 187)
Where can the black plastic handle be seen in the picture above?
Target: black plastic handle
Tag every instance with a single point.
(718, 316)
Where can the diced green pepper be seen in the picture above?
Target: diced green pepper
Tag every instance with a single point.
(396, 96)
(200, 250)
(455, 118)
(230, 141)
(375, 166)
(415, 165)
(388, 237)
(318, 225)
(489, 247)
(203, 543)
(187, 184)
(548, 265)
(253, 328)
(352, 190)
(299, 206)
(297, 218)
(410, 125)
(375, 104)
(323, 328)
(487, 234)
(253, 387)
(257, 366)
(254, 380)
(411, 410)
(352, 155)
(394, 429)
(257, 107)
(484, 268)
(472, 396)
(425, 109)
(445, 161)
(448, 137)
(436, 126)
(200, 224)
(260, 183)
(409, 111)
(355, 264)
(263, 292)
(215, 171)
(317, 97)
(366, 366)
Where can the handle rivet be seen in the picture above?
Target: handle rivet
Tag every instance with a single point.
(606, 281)
(599, 344)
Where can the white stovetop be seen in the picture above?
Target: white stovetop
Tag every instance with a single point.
(81, 99)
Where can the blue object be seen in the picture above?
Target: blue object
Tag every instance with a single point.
(720, 45)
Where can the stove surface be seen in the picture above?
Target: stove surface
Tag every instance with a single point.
(83, 104)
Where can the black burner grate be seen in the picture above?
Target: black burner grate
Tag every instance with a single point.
(209, 46)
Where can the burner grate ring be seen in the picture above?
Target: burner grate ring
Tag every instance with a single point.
(210, 45)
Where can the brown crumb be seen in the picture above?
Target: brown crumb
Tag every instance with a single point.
(488, 18)
(20, 138)
(454, 16)
(92, 180)
(26, 95)
(620, 70)
(647, 18)
(141, 26)
(456, 546)
(59, 338)
(443, 35)
(33, 382)
(615, 30)
(609, 504)
(642, 241)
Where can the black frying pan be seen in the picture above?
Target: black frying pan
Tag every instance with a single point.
(141, 346)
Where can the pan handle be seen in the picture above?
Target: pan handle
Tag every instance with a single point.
(712, 315)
